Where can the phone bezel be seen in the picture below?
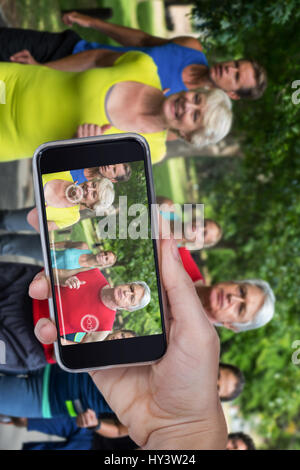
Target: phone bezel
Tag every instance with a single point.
(67, 155)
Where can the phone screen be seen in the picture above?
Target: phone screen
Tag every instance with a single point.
(101, 251)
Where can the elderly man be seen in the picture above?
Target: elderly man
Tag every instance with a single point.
(86, 301)
(181, 63)
(86, 291)
(236, 305)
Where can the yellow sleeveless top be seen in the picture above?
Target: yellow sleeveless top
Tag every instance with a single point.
(44, 104)
(62, 216)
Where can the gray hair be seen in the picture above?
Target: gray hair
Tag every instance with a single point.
(217, 118)
(265, 313)
(106, 196)
(145, 299)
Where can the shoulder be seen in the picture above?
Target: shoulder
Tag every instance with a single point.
(157, 144)
(190, 265)
(63, 216)
(62, 175)
(188, 41)
(135, 57)
(138, 66)
(94, 275)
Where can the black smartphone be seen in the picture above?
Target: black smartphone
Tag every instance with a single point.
(97, 214)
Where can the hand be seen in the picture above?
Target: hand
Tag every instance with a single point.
(24, 57)
(90, 130)
(76, 18)
(88, 419)
(174, 403)
(74, 283)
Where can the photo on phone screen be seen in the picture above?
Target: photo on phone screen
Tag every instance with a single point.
(101, 252)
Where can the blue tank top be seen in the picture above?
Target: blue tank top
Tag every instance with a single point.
(170, 59)
(67, 259)
(78, 176)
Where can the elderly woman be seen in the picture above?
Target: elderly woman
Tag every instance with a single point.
(57, 102)
(64, 199)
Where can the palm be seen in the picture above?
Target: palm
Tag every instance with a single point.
(146, 397)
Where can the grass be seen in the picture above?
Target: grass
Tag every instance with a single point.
(170, 180)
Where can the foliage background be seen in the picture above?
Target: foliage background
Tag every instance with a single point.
(256, 200)
(135, 258)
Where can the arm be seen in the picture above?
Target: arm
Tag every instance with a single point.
(52, 225)
(95, 336)
(73, 63)
(188, 41)
(70, 244)
(127, 36)
(121, 34)
(64, 275)
(88, 338)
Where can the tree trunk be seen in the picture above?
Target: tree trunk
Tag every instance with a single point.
(179, 148)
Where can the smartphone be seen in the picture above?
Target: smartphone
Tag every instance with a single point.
(95, 200)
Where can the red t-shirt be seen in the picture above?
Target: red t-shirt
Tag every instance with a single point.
(41, 309)
(78, 309)
(82, 309)
(189, 265)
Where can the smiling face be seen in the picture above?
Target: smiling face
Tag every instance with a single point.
(183, 112)
(90, 190)
(127, 296)
(204, 234)
(233, 75)
(115, 173)
(106, 258)
(230, 302)
(212, 233)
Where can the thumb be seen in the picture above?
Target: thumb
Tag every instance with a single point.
(185, 306)
(45, 331)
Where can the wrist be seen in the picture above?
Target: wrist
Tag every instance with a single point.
(94, 23)
(194, 435)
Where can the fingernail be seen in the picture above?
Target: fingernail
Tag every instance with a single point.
(41, 327)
